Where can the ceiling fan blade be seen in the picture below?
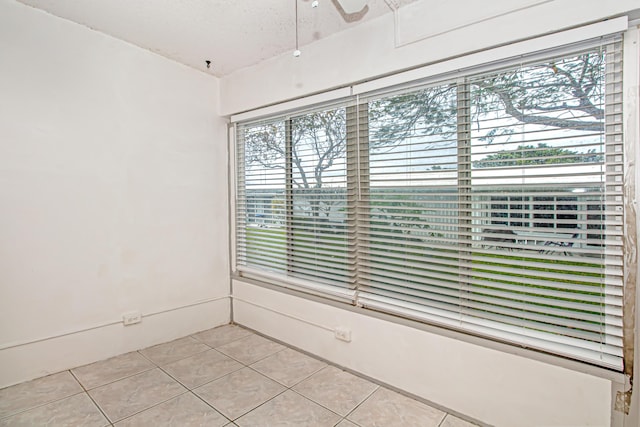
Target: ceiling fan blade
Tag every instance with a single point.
(351, 10)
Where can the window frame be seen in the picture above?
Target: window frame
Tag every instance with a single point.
(361, 181)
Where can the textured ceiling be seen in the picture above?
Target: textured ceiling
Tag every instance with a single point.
(232, 34)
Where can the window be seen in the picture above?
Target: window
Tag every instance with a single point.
(490, 203)
(293, 199)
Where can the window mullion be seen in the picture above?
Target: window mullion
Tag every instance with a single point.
(289, 192)
(358, 186)
(464, 180)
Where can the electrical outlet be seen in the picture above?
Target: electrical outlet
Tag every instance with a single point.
(131, 318)
(342, 333)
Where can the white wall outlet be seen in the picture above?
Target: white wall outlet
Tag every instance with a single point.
(342, 333)
(131, 318)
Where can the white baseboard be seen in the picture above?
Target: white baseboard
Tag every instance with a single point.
(27, 361)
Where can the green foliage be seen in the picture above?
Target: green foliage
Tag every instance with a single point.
(565, 94)
(562, 94)
(541, 154)
(317, 140)
(431, 111)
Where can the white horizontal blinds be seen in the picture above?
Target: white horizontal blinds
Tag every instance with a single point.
(412, 246)
(261, 194)
(292, 199)
(358, 182)
(319, 237)
(490, 203)
(495, 205)
(540, 263)
(613, 217)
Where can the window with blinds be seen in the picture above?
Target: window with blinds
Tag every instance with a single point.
(292, 201)
(489, 203)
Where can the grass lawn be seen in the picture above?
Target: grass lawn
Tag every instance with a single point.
(562, 288)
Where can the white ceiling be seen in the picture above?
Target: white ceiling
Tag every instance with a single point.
(232, 34)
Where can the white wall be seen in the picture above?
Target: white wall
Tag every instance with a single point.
(113, 196)
(491, 386)
(368, 50)
(632, 121)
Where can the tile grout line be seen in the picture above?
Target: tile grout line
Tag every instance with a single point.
(363, 400)
(211, 406)
(91, 398)
(78, 381)
(116, 380)
(244, 365)
(255, 361)
(290, 388)
(284, 385)
(199, 385)
(216, 379)
(181, 358)
(47, 402)
(317, 403)
(113, 422)
(320, 404)
(149, 360)
(229, 342)
(120, 379)
(263, 403)
(347, 420)
(151, 407)
(22, 411)
(191, 390)
(99, 408)
(316, 372)
(286, 388)
(446, 414)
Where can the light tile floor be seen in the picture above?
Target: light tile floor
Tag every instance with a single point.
(227, 376)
